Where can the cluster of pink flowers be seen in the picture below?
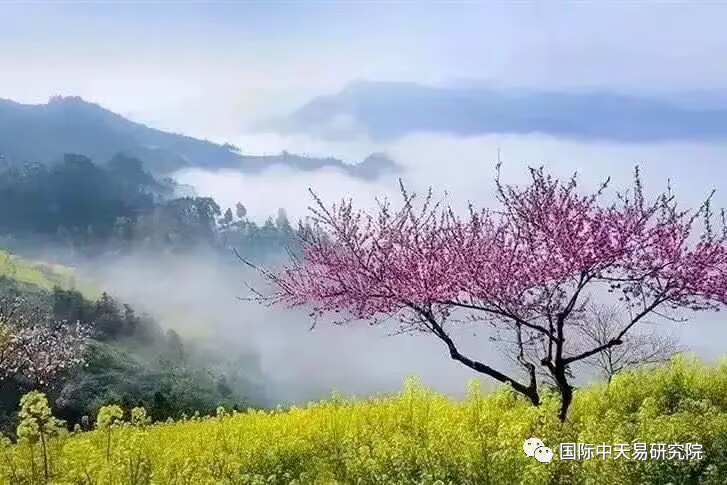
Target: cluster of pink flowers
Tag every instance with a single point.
(545, 243)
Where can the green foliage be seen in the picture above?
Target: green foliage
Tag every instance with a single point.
(37, 425)
(95, 209)
(417, 436)
(165, 387)
(111, 319)
(45, 276)
(139, 417)
(131, 362)
(76, 201)
(109, 416)
(36, 418)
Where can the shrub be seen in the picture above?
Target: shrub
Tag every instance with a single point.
(416, 436)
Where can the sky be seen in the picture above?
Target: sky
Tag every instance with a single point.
(209, 69)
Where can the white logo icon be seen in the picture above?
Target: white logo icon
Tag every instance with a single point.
(532, 444)
(544, 454)
(534, 447)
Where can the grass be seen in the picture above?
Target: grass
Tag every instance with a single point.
(44, 275)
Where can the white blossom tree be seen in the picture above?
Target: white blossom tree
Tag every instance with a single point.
(35, 347)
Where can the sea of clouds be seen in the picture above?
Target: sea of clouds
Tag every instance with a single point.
(363, 359)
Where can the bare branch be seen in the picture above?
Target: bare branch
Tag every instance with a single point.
(602, 324)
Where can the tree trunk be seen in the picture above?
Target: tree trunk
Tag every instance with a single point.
(566, 398)
(559, 370)
(564, 388)
(533, 396)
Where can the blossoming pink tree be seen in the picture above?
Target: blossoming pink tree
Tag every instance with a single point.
(529, 269)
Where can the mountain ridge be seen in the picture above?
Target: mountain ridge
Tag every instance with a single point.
(69, 124)
(385, 111)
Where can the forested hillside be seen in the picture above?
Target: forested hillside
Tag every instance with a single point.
(119, 206)
(83, 211)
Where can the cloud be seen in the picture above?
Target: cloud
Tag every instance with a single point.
(277, 187)
(198, 295)
(209, 71)
(464, 168)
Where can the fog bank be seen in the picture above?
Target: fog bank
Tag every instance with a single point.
(361, 359)
(464, 169)
(199, 296)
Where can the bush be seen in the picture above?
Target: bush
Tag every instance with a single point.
(417, 436)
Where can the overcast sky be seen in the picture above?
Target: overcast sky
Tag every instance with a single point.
(207, 68)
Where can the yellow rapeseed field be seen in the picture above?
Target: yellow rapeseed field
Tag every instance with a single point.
(416, 436)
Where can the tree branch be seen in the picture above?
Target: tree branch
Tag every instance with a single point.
(617, 340)
(528, 390)
(501, 313)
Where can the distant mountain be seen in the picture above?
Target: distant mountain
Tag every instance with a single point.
(45, 132)
(384, 111)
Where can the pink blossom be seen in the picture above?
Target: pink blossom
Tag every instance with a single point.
(529, 268)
